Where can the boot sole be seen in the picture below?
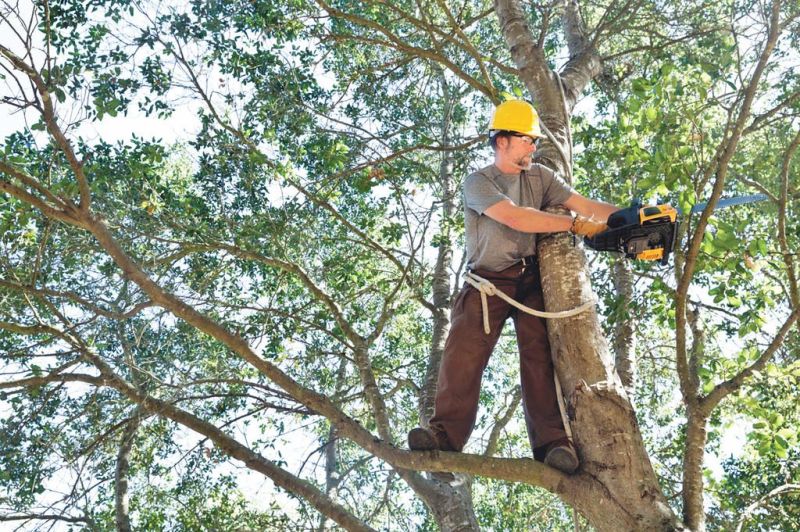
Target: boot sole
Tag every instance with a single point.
(562, 459)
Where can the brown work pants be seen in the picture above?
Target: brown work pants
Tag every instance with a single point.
(467, 353)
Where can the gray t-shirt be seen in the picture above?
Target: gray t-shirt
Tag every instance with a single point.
(491, 245)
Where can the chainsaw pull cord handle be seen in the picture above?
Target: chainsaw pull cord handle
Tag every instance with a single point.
(487, 288)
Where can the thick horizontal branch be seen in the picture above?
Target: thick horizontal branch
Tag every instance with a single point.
(45, 517)
(59, 377)
(29, 330)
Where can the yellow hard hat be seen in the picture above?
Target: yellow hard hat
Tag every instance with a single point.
(518, 116)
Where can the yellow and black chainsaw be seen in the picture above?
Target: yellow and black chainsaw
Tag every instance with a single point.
(649, 232)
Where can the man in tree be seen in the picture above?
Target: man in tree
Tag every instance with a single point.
(502, 214)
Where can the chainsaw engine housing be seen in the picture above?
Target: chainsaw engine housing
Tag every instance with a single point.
(645, 233)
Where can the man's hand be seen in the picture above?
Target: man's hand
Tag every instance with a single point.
(586, 226)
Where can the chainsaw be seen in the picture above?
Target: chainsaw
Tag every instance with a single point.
(649, 232)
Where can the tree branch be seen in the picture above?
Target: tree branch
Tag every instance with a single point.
(788, 258)
(777, 492)
(30, 199)
(75, 298)
(584, 63)
(731, 385)
(48, 113)
(399, 44)
(722, 161)
(501, 422)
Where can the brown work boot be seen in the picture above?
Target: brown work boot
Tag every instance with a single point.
(561, 455)
(420, 439)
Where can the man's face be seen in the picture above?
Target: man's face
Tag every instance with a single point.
(518, 150)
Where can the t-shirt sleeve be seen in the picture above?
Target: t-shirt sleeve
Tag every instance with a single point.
(554, 190)
(480, 193)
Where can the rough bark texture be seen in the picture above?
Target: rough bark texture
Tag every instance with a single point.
(452, 507)
(693, 513)
(616, 487)
(603, 422)
(624, 339)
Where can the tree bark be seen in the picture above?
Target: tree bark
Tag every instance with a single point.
(122, 516)
(622, 491)
(624, 338)
(693, 513)
(228, 445)
(603, 421)
(698, 408)
(332, 474)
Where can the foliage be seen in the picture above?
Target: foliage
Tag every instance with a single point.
(304, 211)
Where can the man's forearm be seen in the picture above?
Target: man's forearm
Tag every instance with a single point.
(529, 220)
(598, 210)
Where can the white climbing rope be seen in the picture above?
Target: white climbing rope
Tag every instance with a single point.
(487, 288)
(562, 407)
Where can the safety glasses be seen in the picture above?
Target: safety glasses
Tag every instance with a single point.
(528, 140)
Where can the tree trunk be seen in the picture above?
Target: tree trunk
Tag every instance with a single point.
(122, 517)
(621, 491)
(332, 474)
(624, 338)
(693, 513)
(603, 422)
(451, 505)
